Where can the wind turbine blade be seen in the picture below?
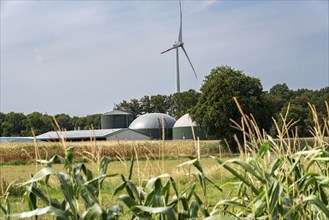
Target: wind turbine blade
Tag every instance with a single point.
(167, 50)
(180, 37)
(189, 61)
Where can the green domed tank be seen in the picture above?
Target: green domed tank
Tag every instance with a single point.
(151, 125)
(185, 127)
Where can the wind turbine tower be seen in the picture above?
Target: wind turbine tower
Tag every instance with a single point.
(179, 44)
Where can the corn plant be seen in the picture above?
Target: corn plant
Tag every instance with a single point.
(156, 200)
(274, 180)
(77, 184)
(290, 187)
(5, 205)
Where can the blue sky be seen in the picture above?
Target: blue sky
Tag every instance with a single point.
(81, 57)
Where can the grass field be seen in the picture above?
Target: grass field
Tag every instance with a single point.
(147, 169)
(149, 165)
(152, 159)
(283, 178)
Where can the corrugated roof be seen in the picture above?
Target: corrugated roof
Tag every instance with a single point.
(116, 112)
(78, 134)
(17, 139)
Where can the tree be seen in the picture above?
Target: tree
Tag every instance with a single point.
(133, 107)
(160, 103)
(93, 121)
(145, 104)
(64, 121)
(182, 102)
(78, 122)
(39, 123)
(2, 120)
(216, 106)
(301, 113)
(14, 124)
(175, 105)
(278, 97)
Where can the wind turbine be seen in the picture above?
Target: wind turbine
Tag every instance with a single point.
(179, 44)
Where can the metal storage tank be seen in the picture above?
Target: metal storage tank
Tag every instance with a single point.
(116, 119)
(183, 129)
(151, 125)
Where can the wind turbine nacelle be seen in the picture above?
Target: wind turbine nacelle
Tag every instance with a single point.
(178, 44)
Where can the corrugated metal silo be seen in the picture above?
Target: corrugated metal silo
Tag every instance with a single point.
(116, 119)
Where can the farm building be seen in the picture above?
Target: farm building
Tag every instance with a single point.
(151, 125)
(116, 119)
(185, 128)
(146, 127)
(16, 139)
(87, 135)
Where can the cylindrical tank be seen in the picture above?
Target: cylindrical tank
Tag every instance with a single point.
(187, 129)
(116, 119)
(151, 125)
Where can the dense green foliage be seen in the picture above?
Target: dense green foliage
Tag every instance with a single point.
(175, 105)
(216, 106)
(17, 124)
(299, 108)
(273, 185)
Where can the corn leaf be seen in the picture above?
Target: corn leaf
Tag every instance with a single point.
(218, 217)
(41, 195)
(60, 214)
(67, 190)
(200, 205)
(132, 160)
(103, 165)
(119, 188)
(236, 174)
(317, 202)
(194, 208)
(132, 205)
(94, 212)
(263, 150)
(44, 172)
(163, 210)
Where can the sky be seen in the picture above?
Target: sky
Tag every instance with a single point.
(82, 57)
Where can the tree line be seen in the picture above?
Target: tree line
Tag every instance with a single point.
(212, 107)
(17, 124)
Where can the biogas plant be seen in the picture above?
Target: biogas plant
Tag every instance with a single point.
(119, 125)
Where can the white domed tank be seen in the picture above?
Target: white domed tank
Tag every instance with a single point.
(151, 125)
(185, 127)
(116, 119)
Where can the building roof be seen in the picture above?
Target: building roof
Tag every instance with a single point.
(78, 134)
(152, 120)
(185, 121)
(116, 112)
(16, 139)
